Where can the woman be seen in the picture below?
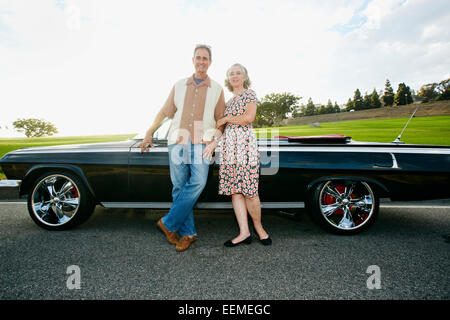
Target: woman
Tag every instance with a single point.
(239, 168)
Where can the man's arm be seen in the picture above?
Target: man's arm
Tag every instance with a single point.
(219, 113)
(168, 110)
(149, 134)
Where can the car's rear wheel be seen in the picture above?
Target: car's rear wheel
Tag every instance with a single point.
(344, 206)
(59, 201)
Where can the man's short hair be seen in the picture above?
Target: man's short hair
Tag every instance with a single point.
(203, 46)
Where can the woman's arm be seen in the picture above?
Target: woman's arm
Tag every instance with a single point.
(244, 119)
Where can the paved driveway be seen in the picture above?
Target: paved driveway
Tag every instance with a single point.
(119, 254)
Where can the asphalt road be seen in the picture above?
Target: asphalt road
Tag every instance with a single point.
(119, 254)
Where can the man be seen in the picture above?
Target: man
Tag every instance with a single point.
(194, 104)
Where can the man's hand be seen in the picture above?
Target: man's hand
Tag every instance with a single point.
(145, 144)
(209, 150)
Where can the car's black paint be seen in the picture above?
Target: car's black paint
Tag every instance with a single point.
(119, 173)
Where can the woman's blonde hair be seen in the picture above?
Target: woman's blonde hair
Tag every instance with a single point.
(247, 81)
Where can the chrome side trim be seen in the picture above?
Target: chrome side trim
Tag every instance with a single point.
(116, 150)
(200, 205)
(330, 149)
(358, 149)
(261, 149)
(10, 183)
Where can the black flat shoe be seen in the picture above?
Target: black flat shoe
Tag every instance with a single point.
(265, 242)
(230, 243)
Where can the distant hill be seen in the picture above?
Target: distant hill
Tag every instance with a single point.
(438, 108)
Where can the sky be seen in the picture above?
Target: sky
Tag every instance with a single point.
(107, 67)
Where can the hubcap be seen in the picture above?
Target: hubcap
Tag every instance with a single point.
(346, 204)
(55, 200)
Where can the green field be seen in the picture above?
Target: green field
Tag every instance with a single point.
(421, 130)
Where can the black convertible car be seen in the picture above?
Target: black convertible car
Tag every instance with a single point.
(338, 180)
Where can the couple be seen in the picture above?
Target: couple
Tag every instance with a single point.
(202, 120)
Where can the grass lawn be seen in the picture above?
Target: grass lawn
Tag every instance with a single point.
(421, 130)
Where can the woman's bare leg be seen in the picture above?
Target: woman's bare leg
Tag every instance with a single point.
(240, 210)
(253, 205)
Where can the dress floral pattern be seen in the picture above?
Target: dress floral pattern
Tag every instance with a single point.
(239, 163)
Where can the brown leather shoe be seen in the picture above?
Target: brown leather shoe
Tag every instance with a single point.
(185, 242)
(171, 236)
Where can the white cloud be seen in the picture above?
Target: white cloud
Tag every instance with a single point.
(109, 66)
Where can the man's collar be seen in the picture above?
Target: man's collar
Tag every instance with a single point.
(206, 81)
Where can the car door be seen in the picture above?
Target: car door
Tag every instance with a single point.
(148, 172)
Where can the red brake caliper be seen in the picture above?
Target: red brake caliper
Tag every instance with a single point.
(74, 192)
(329, 199)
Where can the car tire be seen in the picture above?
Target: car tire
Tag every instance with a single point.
(59, 201)
(343, 207)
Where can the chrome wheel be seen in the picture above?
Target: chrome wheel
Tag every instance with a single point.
(55, 200)
(347, 205)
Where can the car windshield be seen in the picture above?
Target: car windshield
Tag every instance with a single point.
(160, 133)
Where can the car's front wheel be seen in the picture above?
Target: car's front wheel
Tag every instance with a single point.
(344, 206)
(59, 201)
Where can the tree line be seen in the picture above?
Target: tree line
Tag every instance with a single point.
(275, 107)
(436, 91)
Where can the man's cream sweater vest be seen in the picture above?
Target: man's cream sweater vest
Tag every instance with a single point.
(208, 123)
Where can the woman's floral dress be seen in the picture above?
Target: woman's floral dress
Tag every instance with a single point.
(239, 163)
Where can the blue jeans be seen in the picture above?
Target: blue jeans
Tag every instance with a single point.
(189, 173)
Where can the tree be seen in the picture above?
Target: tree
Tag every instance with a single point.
(375, 99)
(297, 112)
(435, 91)
(366, 101)
(336, 108)
(310, 109)
(428, 91)
(265, 115)
(358, 103)
(35, 127)
(349, 105)
(443, 89)
(275, 107)
(403, 95)
(329, 108)
(388, 97)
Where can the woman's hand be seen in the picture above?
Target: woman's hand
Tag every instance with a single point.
(222, 121)
(209, 150)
